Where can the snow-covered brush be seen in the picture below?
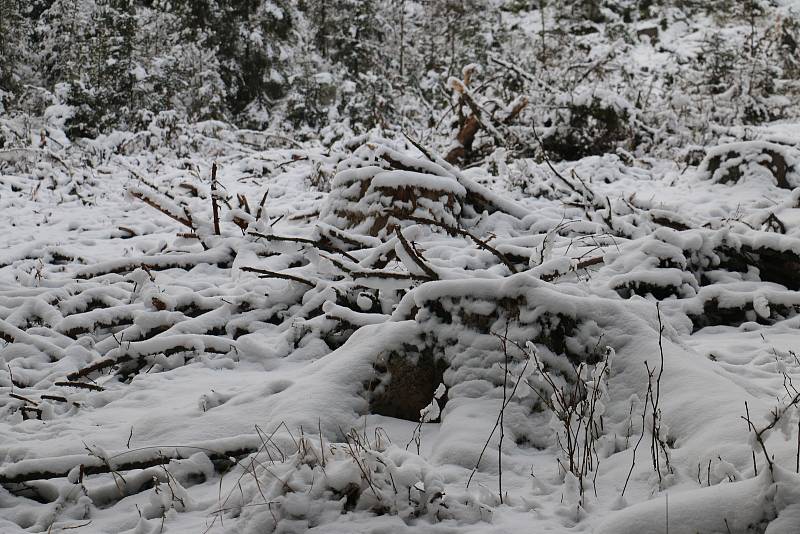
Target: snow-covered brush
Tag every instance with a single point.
(357, 306)
(782, 416)
(378, 188)
(577, 403)
(732, 163)
(478, 113)
(429, 414)
(659, 448)
(320, 480)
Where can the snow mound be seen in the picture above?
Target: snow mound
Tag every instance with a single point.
(411, 351)
(764, 161)
(377, 189)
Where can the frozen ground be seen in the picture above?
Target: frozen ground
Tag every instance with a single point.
(159, 375)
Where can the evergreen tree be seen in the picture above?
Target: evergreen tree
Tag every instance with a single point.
(353, 38)
(12, 45)
(251, 41)
(180, 73)
(104, 93)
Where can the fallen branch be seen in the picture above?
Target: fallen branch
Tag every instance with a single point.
(186, 220)
(99, 365)
(452, 230)
(57, 398)
(222, 256)
(549, 277)
(130, 232)
(23, 399)
(356, 273)
(306, 215)
(12, 334)
(472, 124)
(390, 275)
(60, 467)
(414, 255)
(80, 385)
(317, 243)
(477, 194)
(273, 274)
(588, 201)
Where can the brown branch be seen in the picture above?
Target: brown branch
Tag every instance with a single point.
(24, 399)
(400, 166)
(337, 263)
(415, 255)
(588, 263)
(272, 274)
(99, 365)
(153, 204)
(262, 204)
(425, 151)
(390, 275)
(243, 224)
(80, 385)
(474, 194)
(188, 235)
(57, 398)
(307, 215)
(375, 273)
(464, 138)
(516, 110)
(317, 243)
(304, 240)
(772, 221)
(478, 114)
(243, 203)
(127, 231)
(193, 190)
(452, 230)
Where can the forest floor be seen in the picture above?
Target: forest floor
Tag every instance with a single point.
(337, 340)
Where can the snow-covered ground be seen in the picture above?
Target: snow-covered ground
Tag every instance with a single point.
(283, 373)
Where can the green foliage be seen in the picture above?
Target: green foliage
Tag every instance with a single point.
(348, 71)
(11, 34)
(105, 90)
(589, 127)
(307, 65)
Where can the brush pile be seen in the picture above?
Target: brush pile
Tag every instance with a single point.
(264, 340)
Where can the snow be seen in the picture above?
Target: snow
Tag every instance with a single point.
(158, 375)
